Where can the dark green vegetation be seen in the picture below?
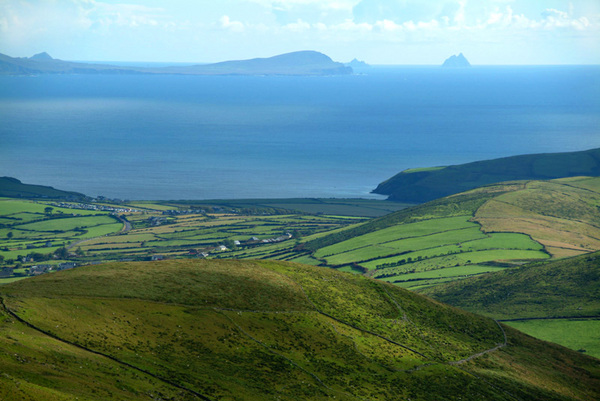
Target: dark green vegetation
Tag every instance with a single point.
(557, 301)
(422, 185)
(263, 330)
(295, 63)
(13, 188)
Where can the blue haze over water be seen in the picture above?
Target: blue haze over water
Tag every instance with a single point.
(203, 137)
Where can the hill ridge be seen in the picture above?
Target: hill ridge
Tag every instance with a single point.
(422, 185)
(305, 62)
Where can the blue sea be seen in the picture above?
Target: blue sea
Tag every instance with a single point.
(225, 137)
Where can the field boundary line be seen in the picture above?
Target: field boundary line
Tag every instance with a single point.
(112, 358)
(521, 319)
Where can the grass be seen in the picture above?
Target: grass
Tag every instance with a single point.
(582, 335)
(405, 245)
(499, 225)
(397, 232)
(67, 224)
(458, 271)
(262, 330)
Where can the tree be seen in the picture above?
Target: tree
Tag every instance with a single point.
(61, 253)
(48, 210)
(9, 235)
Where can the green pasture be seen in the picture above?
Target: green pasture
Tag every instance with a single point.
(461, 259)
(593, 184)
(68, 224)
(503, 241)
(401, 231)
(9, 207)
(405, 245)
(423, 254)
(578, 334)
(102, 229)
(446, 272)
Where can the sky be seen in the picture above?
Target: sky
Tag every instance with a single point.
(418, 32)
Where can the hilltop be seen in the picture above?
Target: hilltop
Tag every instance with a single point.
(295, 63)
(263, 330)
(422, 185)
(13, 188)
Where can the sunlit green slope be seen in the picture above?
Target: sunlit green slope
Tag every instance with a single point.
(235, 330)
(479, 231)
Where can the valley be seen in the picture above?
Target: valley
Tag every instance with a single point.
(218, 299)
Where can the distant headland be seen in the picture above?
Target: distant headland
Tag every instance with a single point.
(306, 62)
(456, 61)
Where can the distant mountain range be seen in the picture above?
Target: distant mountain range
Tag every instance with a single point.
(295, 63)
(422, 185)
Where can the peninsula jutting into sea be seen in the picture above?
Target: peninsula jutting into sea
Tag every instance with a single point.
(296, 63)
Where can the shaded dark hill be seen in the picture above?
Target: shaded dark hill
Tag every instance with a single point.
(563, 288)
(13, 188)
(255, 330)
(422, 185)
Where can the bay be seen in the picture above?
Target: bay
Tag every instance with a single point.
(202, 137)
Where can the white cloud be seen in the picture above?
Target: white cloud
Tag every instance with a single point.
(85, 28)
(344, 5)
(297, 27)
(235, 26)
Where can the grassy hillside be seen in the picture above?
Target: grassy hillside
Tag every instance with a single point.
(422, 185)
(483, 230)
(557, 301)
(224, 330)
(566, 287)
(13, 188)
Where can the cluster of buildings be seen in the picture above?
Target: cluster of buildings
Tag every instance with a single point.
(183, 212)
(41, 269)
(91, 206)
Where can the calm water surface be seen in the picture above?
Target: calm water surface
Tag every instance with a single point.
(200, 137)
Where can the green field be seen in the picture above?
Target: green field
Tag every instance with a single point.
(494, 227)
(490, 228)
(582, 335)
(37, 228)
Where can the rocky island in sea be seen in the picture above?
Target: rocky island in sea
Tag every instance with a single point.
(455, 61)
